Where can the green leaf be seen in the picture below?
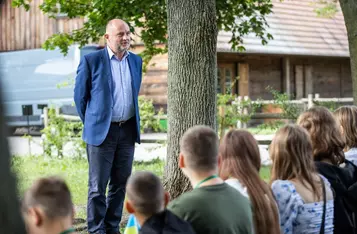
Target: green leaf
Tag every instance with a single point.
(237, 16)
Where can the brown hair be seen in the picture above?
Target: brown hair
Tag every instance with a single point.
(199, 145)
(240, 159)
(346, 116)
(327, 141)
(52, 195)
(291, 153)
(145, 191)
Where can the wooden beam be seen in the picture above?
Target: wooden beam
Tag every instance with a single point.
(299, 81)
(309, 82)
(286, 75)
(243, 79)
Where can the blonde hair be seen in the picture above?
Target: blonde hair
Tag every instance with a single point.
(291, 153)
(327, 141)
(346, 116)
(240, 158)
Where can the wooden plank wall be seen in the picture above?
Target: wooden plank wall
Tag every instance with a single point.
(154, 84)
(22, 30)
(264, 71)
(330, 77)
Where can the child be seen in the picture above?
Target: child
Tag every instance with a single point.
(327, 146)
(47, 207)
(304, 197)
(146, 199)
(239, 167)
(346, 116)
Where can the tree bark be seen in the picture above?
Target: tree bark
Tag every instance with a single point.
(349, 9)
(192, 73)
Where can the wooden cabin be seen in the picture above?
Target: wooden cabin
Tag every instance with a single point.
(309, 54)
(24, 30)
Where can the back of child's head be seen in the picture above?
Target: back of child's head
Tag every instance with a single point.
(346, 116)
(146, 193)
(51, 195)
(327, 141)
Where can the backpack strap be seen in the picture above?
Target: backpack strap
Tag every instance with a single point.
(322, 228)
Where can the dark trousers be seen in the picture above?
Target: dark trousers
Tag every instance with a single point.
(111, 161)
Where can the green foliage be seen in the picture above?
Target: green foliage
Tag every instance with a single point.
(230, 111)
(326, 8)
(149, 119)
(74, 171)
(290, 111)
(332, 106)
(270, 126)
(59, 132)
(237, 16)
(281, 100)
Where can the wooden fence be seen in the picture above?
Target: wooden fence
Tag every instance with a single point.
(306, 103)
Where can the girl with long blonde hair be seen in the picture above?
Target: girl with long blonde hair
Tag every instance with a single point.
(304, 197)
(346, 117)
(239, 167)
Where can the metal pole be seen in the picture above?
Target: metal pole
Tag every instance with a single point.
(28, 133)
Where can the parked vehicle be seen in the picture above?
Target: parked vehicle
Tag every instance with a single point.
(34, 79)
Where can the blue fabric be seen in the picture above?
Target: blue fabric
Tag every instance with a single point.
(93, 95)
(298, 217)
(352, 155)
(111, 161)
(123, 107)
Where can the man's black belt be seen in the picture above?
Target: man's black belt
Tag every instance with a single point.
(121, 123)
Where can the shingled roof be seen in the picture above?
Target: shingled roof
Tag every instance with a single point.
(297, 30)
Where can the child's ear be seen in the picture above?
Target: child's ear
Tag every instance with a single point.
(129, 207)
(181, 161)
(36, 216)
(167, 198)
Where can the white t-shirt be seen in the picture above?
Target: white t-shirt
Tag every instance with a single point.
(237, 185)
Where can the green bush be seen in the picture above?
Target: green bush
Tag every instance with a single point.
(59, 131)
(149, 119)
(229, 111)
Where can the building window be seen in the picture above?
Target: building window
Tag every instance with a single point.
(226, 79)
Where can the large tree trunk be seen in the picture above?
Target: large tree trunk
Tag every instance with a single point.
(349, 9)
(192, 42)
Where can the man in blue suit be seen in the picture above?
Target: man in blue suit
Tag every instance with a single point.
(106, 97)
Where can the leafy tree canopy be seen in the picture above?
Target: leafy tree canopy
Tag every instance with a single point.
(240, 17)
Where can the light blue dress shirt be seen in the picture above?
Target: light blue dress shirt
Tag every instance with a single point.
(123, 103)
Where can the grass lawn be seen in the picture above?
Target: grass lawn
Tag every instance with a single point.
(75, 172)
(261, 131)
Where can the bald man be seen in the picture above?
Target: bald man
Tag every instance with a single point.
(106, 97)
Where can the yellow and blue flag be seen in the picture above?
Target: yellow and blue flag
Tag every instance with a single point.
(132, 227)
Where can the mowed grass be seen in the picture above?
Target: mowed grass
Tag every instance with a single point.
(75, 172)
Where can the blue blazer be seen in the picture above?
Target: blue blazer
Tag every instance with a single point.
(93, 94)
